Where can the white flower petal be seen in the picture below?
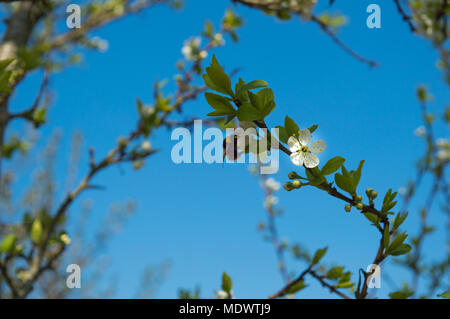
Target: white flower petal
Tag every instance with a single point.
(294, 144)
(317, 146)
(297, 158)
(304, 136)
(311, 160)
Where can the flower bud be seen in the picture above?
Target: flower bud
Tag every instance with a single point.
(293, 175)
(359, 206)
(358, 198)
(374, 194)
(368, 191)
(288, 186)
(296, 183)
(348, 208)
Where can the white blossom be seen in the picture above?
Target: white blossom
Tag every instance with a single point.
(302, 154)
(221, 294)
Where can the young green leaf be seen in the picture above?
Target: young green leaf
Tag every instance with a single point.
(335, 272)
(318, 255)
(344, 182)
(402, 250)
(372, 218)
(227, 284)
(254, 85)
(221, 105)
(346, 284)
(217, 79)
(313, 128)
(290, 126)
(400, 294)
(282, 135)
(247, 112)
(242, 95)
(357, 174)
(8, 243)
(36, 231)
(399, 219)
(332, 165)
(297, 287)
(397, 242)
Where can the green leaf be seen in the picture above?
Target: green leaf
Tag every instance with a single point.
(254, 85)
(255, 101)
(210, 84)
(344, 182)
(8, 243)
(220, 104)
(267, 101)
(399, 219)
(314, 176)
(318, 255)
(290, 126)
(242, 95)
(297, 287)
(216, 79)
(282, 135)
(372, 217)
(397, 242)
(445, 294)
(332, 165)
(39, 115)
(227, 284)
(347, 284)
(335, 272)
(400, 294)
(357, 174)
(247, 112)
(36, 231)
(402, 250)
(313, 128)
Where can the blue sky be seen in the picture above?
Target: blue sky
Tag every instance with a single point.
(203, 217)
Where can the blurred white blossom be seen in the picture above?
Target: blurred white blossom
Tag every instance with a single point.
(191, 49)
(420, 131)
(146, 146)
(272, 184)
(270, 201)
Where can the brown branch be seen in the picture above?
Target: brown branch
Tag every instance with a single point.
(377, 261)
(332, 288)
(405, 17)
(28, 114)
(275, 6)
(341, 44)
(285, 290)
(98, 20)
(8, 279)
